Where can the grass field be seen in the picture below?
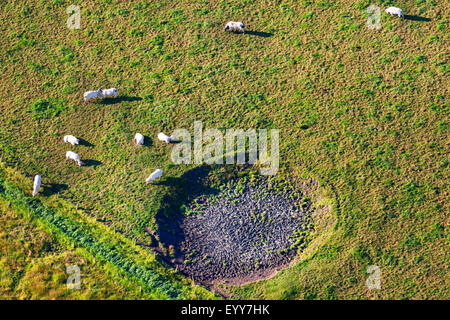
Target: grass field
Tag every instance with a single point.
(364, 111)
(33, 266)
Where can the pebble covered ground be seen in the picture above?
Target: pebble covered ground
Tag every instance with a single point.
(247, 227)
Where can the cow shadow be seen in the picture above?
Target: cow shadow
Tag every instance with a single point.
(259, 34)
(148, 142)
(416, 18)
(119, 99)
(178, 141)
(85, 143)
(91, 163)
(53, 188)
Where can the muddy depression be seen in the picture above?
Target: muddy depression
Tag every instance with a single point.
(244, 231)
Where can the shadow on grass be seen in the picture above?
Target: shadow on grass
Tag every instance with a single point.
(91, 163)
(259, 34)
(53, 188)
(85, 143)
(119, 99)
(416, 18)
(148, 141)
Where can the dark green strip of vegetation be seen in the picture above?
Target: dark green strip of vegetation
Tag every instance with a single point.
(151, 280)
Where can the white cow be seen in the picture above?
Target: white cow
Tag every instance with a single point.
(155, 175)
(234, 26)
(166, 138)
(37, 184)
(93, 95)
(71, 139)
(138, 139)
(74, 157)
(395, 11)
(110, 93)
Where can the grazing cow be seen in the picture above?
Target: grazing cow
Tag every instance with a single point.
(93, 95)
(155, 175)
(138, 139)
(234, 26)
(395, 11)
(74, 157)
(166, 138)
(37, 184)
(71, 139)
(110, 93)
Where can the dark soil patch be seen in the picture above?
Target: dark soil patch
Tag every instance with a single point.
(242, 231)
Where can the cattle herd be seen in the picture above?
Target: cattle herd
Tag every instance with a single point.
(139, 138)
